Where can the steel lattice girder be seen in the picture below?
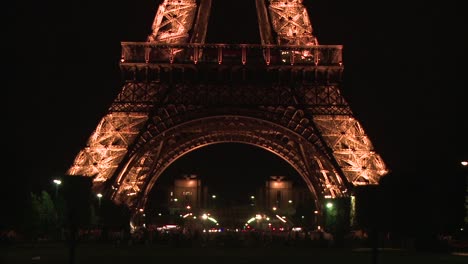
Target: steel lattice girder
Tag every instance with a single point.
(152, 122)
(175, 18)
(352, 148)
(173, 21)
(291, 23)
(108, 145)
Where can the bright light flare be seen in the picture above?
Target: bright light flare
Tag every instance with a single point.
(281, 218)
(250, 220)
(185, 216)
(58, 182)
(212, 220)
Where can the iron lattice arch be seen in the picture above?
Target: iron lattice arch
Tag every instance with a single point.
(180, 94)
(178, 129)
(303, 153)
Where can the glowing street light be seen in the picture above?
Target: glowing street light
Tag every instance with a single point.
(464, 164)
(57, 182)
(99, 196)
(212, 202)
(252, 200)
(316, 212)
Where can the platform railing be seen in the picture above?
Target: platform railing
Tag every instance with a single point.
(231, 54)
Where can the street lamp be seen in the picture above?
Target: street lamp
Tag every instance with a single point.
(57, 183)
(252, 200)
(316, 218)
(464, 164)
(99, 196)
(213, 201)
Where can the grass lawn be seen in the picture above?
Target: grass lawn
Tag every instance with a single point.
(104, 253)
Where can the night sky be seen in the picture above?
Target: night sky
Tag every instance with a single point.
(405, 79)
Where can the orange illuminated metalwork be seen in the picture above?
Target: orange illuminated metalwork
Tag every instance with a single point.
(180, 94)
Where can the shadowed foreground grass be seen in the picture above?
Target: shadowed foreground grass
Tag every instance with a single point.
(105, 253)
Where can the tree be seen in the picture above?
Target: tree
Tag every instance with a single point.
(48, 214)
(41, 216)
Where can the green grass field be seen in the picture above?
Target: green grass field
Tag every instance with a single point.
(104, 253)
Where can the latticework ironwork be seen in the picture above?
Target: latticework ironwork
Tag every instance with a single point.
(180, 94)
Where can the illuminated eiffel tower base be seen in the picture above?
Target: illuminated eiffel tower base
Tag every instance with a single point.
(180, 94)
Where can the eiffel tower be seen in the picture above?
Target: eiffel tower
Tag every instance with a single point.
(180, 93)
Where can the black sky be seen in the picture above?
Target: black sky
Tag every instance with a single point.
(405, 79)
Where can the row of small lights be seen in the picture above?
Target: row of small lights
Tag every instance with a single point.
(58, 182)
(329, 205)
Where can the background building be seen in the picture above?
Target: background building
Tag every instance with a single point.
(189, 196)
